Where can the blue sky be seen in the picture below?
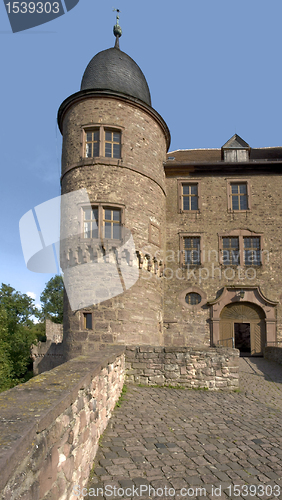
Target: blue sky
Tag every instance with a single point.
(213, 68)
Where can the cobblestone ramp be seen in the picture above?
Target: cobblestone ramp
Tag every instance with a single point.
(195, 444)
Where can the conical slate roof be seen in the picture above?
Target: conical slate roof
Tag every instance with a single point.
(114, 70)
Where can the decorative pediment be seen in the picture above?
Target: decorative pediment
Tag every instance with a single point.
(251, 294)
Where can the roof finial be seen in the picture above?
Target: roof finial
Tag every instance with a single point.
(117, 29)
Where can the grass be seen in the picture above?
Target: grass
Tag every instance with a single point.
(156, 386)
(121, 398)
(169, 386)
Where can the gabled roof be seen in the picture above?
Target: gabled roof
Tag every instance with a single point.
(236, 142)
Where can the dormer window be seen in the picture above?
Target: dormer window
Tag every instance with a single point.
(235, 150)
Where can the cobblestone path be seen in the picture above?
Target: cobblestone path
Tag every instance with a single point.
(195, 444)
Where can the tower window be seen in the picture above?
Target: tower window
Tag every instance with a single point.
(92, 143)
(112, 223)
(112, 144)
(102, 221)
(102, 142)
(90, 222)
(87, 321)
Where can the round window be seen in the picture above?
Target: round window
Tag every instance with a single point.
(193, 298)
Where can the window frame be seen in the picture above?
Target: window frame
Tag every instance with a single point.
(236, 181)
(180, 183)
(241, 234)
(192, 289)
(101, 206)
(83, 320)
(102, 129)
(182, 237)
(91, 131)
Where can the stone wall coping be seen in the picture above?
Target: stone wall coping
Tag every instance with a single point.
(29, 408)
(178, 349)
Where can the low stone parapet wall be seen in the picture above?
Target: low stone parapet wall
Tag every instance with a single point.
(50, 426)
(206, 367)
(273, 354)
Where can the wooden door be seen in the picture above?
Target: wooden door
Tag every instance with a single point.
(243, 312)
(226, 334)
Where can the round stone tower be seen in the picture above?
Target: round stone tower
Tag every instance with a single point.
(113, 234)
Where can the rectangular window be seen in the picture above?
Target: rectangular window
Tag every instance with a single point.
(191, 249)
(112, 223)
(90, 222)
(230, 251)
(101, 141)
(239, 196)
(241, 248)
(92, 143)
(189, 197)
(87, 321)
(252, 253)
(102, 222)
(112, 144)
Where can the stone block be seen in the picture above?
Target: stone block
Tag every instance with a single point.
(157, 379)
(171, 367)
(150, 355)
(146, 348)
(139, 365)
(101, 326)
(107, 337)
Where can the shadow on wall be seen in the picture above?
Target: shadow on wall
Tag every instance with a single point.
(49, 354)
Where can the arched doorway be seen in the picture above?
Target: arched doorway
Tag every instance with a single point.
(242, 325)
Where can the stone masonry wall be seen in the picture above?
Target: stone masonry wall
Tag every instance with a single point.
(50, 426)
(46, 356)
(135, 182)
(211, 368)
(190, 325)
(273, 354)
(54, 331)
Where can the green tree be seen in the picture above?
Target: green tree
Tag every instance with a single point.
(16, 335)
(52, 299)
(5, 362)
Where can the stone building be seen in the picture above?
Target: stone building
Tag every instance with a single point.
(206, 224)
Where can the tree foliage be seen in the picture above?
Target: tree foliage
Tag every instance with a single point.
(5, 364)
(52, 299)
(17, 333)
